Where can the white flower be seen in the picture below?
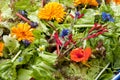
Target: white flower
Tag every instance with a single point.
(41, 48)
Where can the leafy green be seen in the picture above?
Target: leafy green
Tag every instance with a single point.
(11, 43)
(43, 66)
(26, 5)
(24, 74)
(7, 71)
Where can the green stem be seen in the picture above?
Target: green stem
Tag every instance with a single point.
(103, 1)
(102, 71)
(16, 56)
(81, 25)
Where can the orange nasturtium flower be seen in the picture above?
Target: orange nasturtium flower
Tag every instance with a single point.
(80, 55)
(1, 48)
(23, 31)
(52, 11)
(89, 2)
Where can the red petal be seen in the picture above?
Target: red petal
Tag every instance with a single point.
(76, 55)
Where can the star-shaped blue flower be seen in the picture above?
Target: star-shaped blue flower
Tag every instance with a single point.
(107, 17)
(64, 32)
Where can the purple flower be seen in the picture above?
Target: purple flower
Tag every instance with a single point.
(34, 24)
(107, 17)
(77, 14)
(26, 42)
(64, 32)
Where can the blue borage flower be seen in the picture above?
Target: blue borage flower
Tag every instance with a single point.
(107, 17)
(20, 59)
(64, 32)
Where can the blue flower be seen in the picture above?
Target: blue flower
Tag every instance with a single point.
(64, 32)
(20, 59)
(107, 17)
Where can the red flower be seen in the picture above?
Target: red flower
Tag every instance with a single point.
(80, 55)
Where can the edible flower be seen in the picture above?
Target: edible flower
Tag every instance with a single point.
(85, 2)
(116, 1)
(1, 48)
(107, 17)
(80, 55)
(23, 32)
(52, 11)
(26, 42)
(64, 32)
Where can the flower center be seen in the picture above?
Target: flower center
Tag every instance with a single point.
(79, 55)
(23, 34)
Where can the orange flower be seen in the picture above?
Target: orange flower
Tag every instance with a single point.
(80, 55)
(116, 1)
(93, 3)
(89, 2)
(51, 11)
(22, 32)
(1, 48)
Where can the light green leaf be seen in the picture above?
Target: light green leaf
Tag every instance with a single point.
(24, 74)
(7, 71)
(11, 43)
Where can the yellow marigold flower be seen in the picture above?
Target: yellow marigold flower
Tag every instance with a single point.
(89, 2)
(77, 2)
(52, 11)
(1, 48)
(22, 31)
(93, 3)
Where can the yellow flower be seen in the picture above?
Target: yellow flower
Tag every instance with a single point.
(93, 3)
(23, 32)
(52, 11)
(89, 2)
(1, 48)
